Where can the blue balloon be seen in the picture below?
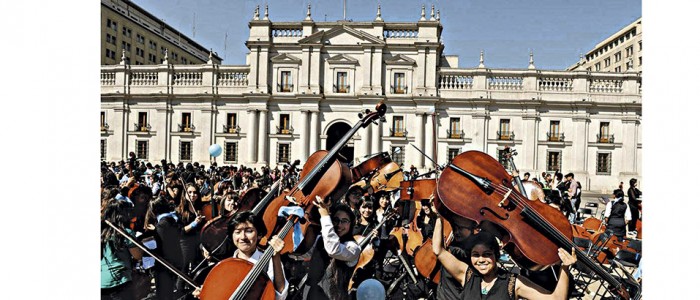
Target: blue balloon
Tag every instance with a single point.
(215, 150)
(371, 289)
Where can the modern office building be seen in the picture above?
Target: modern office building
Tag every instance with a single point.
(620, 52)
(143, 39)
(306, 82)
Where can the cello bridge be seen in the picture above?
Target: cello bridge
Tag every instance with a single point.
(291, 199)
(505, 197)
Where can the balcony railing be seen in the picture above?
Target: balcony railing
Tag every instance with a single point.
(289, 130)
(104, 127)
(232, 129)
(142, 127)
(398, 132)
(555, 137)
(455, 134)
(505, 135)
(341, 88)
(401, 89)
(185, 128)
(285, 88)
(606, 138)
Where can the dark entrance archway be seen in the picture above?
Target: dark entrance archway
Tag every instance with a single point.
(335, 133)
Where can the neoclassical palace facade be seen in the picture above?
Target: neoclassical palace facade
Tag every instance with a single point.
(305, 82)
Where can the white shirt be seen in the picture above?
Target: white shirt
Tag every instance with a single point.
(270, 273)
(347, 251)
(608, 209)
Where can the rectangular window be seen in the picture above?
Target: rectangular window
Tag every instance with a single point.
(283, 152)
(597, 66)
(103, 149)
(452, 153)
(231, 153)
(185, 151)
(618, 56)
(126, 32)
(111, 24)
(151, 57)
(399, 83)
(455, 129)
(341, 83)
(143, 121)
(640, 45)
(142, 150)
(284, 124)
(152, 45)
(618, 69)
(553, 134)
(110, 54)
(629, 51)
(504, 129)
(103, 120)
(603, 163)
(231, 123)
(398, 128)
(553, 161)
(126, 46)
(139, 51)
(604, 133)
(186, 122)
(162, 50)
(285, 84)
(174, 56)
(139, 38)
(397, 154)
(640, 61)
(607, 62)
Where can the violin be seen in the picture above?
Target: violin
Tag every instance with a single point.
(367, 250)
(475, 186)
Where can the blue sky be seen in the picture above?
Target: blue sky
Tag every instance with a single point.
(556, 30)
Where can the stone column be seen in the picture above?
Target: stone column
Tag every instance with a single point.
(313, 135)
(304, 136)
(430, 140)
(262, 137)
(376, 137)
(529, 148)
(250, 135)
(420, 141)
(365, 143)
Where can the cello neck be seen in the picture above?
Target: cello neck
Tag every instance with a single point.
(366, 239)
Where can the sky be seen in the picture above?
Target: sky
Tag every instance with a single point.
(557, 31)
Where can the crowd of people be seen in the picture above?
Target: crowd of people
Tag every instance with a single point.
(176, 195)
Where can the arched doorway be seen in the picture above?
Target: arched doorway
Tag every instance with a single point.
(335, 133)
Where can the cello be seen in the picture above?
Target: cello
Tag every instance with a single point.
(323, 176)
(367, 250)
(475, 186)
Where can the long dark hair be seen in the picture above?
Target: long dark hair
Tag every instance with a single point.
(339, 270)
(186, 207)
(118, 213)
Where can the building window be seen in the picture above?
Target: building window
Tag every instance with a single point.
(185, 151)
(399, 86)
(103, 149)
(231, 153)
(151, 57)
(103, 120)
(607, 62)
(640, 45)
(640, 61)
(503, 159)
(341, 83)
(618, 69)
(183, 61)
(126, 46)
(455, 131)
(604, 133)
(397, 154)
(283, 152)
(553, 161)
(186, 125)
(111, 24)
(618, 56)
(231, 119)
(139, 51)
(284, 127)
(152, 45)
(126, 32)
(554, 135)
(629, 51)
(452, 153)
(162, 50)
(139, 38)
(142, 150)
(111, 39)
(398, 128)
(143, 121)
(597, 66)
(603, 163)
(174, 56)
(285, 85)
(110, 54)
(504, 132)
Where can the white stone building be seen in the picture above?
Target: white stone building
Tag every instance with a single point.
(305, 82)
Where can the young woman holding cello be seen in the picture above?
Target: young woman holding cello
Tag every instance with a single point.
(335, 254)
(482, 279)
(366, 219)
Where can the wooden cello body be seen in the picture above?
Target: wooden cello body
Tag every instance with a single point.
(234, 270)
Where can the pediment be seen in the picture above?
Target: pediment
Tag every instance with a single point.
(400, 59)
(341, 35)
(285, 58)
(342, 59)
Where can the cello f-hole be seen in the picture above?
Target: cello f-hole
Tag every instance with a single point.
(483, 213)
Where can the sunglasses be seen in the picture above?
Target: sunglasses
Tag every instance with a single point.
(340, 221)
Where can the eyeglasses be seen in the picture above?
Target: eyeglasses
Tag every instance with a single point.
(340, 221)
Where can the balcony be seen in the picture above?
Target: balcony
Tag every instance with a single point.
(400, 89)
(289, 130)
(505, 135)
(285, 88)
(555, 137)
(455, 134)
(232, 129)
(342, 89)
(605, 138)
(142, 127)
(398, 132)
(185, 128)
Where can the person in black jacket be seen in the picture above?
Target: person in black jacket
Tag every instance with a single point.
(633, 200)
(168, 233)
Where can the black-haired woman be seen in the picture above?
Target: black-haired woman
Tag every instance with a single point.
(117, 252)
(426, 219)
(335, 254)
(168, 234)
(481, 278)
